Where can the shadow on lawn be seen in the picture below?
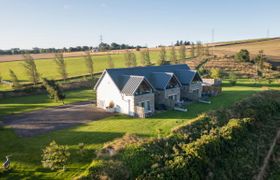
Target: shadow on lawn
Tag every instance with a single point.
(226, 99)
(28, 151)
(274, 85)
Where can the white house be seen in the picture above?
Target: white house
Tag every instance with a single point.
(137, 91)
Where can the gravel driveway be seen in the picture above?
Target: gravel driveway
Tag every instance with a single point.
(43, 121)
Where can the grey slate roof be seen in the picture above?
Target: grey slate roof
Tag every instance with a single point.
(126, 79)
(160, 79)
(132, 84)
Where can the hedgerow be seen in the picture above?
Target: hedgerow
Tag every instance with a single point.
(222, 144)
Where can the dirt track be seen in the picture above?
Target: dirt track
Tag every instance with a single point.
(43, 121)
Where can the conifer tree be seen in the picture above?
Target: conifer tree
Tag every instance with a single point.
(61, 65)
(53, 89)
(192, 50)
(89, 63)
(162, 56)
(31, 69)
(14, 79)
(110, 61)
(173, 56)
(145, 57)
(182, 52)
(133, 59)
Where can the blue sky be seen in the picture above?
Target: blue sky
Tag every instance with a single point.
(64, 23)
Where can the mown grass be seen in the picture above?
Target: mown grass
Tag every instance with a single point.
(26, 152)
(30, 103)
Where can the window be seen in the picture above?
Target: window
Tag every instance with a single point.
(148, 106)
(173, 97)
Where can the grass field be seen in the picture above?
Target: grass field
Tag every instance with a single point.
(26, 152)
(75, 66)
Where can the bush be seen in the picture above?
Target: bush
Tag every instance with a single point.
(55, 156)
(215, 73)
(102, 170)
(243, 55)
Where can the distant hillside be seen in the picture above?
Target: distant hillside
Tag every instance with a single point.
(271, 48)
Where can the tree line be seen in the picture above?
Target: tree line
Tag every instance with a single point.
(172, 55)
(101, 47)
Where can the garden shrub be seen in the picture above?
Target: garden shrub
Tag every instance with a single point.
(55, 156)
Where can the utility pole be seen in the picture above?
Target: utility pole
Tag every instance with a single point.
(101, 38)
(213, 40)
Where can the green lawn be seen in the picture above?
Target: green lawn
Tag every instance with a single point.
(30, 103)
(26, 151)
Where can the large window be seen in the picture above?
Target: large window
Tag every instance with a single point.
(144, 88)
(173, 97)
(146, 105)
(173, 83)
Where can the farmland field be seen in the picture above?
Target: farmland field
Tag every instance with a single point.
(26, 152)
(75, 66)
(270, 47)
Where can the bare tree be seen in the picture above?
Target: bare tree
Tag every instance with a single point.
(31, 69)
(61, 65)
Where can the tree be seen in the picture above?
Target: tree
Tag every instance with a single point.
(162, 56)
(127, 59)
(199, 48)
(110, 61)
(260, 59)
(243, 55)
(55, 156)
(182, 52)
(206, 50)
(54, 91)
(31, 69)
(133, 59)
(215, 73)
(130, 59)
(89, 63)
(14, 79)
(192, 50)
(61, 65)
(173, 56)
(232, 78)
(145, 57)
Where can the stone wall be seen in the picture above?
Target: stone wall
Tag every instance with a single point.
(162, 96)
(145, 97)
(191, 92)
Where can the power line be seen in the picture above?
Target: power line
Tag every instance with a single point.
(101, 38)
